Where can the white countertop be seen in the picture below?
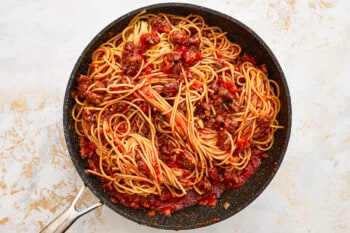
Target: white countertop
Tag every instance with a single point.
(40, 42)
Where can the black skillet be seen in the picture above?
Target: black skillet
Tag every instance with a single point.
(195, 216)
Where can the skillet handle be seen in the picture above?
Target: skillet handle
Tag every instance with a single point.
(62, 222)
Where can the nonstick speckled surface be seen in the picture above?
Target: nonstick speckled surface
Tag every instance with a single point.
(195, 216)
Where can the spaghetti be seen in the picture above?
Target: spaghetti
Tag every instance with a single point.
(171, 113)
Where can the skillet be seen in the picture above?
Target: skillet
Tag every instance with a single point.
(194, 216)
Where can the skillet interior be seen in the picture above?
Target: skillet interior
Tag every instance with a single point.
(195, 216)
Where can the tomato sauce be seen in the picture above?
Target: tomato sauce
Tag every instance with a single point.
(165, 203)
(186, 52)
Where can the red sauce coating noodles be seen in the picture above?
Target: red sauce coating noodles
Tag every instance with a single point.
(171, 113)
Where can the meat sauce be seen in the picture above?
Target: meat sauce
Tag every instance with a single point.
(186, 52)
(217, 182)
